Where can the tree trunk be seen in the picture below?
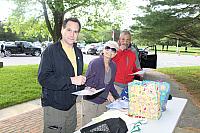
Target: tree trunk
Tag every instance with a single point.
(1, 64)
(163, 46)
(167, 47)
(58, 18)
(47, 18)
(58, 14)
(186, 49)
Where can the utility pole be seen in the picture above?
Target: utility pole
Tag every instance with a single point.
(177, 43)
(113, 35)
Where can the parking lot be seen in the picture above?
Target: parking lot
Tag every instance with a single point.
(163, 60)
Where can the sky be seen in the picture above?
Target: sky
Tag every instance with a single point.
(5, 9)
(132, 7)
(7, 6)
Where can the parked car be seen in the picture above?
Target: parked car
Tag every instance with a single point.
(9, 43)
(2, 42)
(80, 46)
(100, 49)
(22, 47)
(89, 49)
(148, 59)
(92, 50)
(85, 49)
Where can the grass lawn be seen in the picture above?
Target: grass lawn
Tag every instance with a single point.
(188, 76)
(19, 84)
(172, 49)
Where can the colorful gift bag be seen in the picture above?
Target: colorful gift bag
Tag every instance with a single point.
(144, 99)
(164, 89)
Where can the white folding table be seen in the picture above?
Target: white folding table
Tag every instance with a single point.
(168, 120)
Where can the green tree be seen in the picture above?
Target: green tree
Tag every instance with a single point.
(30, 29)
(172, 19)
(7, 34)
(54, 11)
(100, 34)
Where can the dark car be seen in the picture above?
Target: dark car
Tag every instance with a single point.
(80, 45)
(22, 47)
(100, 49)
(92, 50)
(148, 57)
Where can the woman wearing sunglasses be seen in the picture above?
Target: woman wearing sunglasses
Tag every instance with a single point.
(100, 74)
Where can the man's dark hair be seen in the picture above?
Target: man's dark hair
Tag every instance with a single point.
(73, 20)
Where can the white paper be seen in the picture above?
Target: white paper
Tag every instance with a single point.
(118, 104)
(87, 92)
(138, 73)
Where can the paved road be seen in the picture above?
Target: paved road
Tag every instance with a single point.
(174, 60)
(164, 60)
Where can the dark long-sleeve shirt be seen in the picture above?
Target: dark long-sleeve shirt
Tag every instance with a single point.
(95, 78)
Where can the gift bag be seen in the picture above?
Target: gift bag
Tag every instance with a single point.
(164, 89)
(144, 99)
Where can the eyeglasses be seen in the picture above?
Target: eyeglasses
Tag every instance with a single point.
(114, 50)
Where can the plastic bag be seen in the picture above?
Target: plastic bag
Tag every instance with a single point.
(112, 125)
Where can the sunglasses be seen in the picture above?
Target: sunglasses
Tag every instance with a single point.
(114, 50)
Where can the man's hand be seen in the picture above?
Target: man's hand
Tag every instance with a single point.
(110, 98)
(78, 80)
(122, 47)
(90, 89)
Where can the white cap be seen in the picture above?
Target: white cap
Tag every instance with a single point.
(112, 44)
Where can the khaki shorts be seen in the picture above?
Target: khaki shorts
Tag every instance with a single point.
(58, 121)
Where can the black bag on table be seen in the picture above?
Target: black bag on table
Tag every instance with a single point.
(112, 125)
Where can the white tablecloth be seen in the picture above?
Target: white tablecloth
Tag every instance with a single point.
(168, 120)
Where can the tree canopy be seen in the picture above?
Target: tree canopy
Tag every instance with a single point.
(7, 34)
(94, 13)
(167, 20)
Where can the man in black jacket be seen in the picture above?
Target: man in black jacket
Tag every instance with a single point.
(60, 74)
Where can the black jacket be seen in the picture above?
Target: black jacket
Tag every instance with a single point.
(54, 75)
